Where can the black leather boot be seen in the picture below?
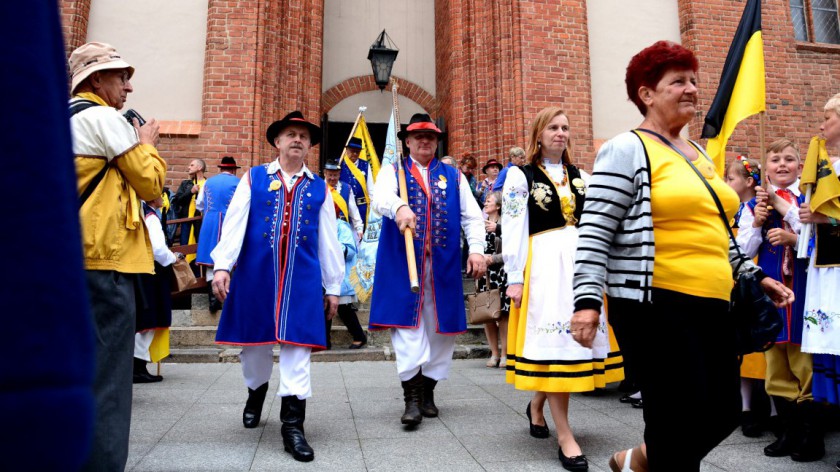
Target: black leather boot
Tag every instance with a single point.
(413, 394)
(790, 423)
(292, 415)
(428, 407)
(812, 445)
(142, 375)
(254, 405)
(215, 304)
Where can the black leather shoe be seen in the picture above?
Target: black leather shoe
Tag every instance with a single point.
(413, 395)
(427, 405)
(537, 431)
(142, 375)
(574, 463)
(640, 403)
(292, 415)
(357, 346)
(752, 424)
(253, 407)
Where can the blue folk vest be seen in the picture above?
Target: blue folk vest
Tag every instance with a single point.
(439, 229)
(347, 177)
(275, 292)
(770, 259)
(344, 191)
(218, 192)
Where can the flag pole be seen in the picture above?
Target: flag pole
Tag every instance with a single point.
(408, 234)
(762, 150)
(350, 136)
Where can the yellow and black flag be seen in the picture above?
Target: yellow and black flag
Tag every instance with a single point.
(741, 90)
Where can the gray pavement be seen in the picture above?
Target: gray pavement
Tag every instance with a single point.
(193, 421)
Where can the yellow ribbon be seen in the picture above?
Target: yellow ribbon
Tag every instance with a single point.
(341, 202)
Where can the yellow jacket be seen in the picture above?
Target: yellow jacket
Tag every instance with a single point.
(113, 234)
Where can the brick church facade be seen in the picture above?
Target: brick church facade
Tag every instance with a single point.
(496, 64)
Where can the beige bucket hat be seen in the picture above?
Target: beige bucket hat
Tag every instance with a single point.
(91, 57)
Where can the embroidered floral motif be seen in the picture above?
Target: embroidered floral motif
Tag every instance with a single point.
(567, 205)
(564, 327)
(514, 203)
(820, 320)
(542, 194)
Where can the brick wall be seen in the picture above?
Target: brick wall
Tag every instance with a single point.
(799, 77)
(498, 63)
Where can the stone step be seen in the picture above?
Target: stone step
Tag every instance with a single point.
(339, 336)
(201, 354)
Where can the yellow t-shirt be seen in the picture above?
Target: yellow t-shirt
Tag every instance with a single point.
(692, 245)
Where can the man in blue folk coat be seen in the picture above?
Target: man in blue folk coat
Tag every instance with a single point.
(424, 325)
(280, 231)
(213, 201)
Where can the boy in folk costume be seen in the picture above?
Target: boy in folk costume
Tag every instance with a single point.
(770, 230)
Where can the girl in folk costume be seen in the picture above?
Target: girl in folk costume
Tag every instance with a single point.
(821, 335)
(542, 203)
(770, 230)
(743, 175)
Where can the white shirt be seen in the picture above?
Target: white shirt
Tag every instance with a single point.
(330, 252)
(749, 238)
(387, 202)
(160, 251)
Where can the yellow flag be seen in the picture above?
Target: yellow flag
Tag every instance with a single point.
(818, 171)
(368, 151)
(159, 348)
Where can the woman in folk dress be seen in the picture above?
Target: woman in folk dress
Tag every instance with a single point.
(542, 202)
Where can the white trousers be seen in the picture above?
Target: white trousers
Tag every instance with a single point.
(142, 341)
(422, 347)
(257, 362)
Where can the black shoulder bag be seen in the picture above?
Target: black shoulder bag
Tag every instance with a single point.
(757, 320)
(76, 107)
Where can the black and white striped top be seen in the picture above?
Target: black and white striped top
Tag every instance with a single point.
(616, 245)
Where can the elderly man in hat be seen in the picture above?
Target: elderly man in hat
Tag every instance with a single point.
(424, 325)
(117, 168)
(280, 232)
(344, 198)
(358, 175)
(213, 200)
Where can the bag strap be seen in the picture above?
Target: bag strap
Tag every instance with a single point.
(76, 107)
(721, 211)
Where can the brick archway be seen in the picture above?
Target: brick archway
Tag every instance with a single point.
(365, 83)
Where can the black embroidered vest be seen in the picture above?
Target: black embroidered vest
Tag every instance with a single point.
(544, 208)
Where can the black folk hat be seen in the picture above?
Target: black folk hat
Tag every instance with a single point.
(355, 143)
(228, 162)
(332, 165)
(491, 163)
(293, 118)
(420, 123)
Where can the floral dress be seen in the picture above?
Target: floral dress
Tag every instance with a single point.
(496, 274)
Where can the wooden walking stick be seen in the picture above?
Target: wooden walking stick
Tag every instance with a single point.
(409, 236)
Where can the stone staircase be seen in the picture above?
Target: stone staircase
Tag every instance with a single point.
(193, 333)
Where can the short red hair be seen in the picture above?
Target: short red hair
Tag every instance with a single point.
(648, 67)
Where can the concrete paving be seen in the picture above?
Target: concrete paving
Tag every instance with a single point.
(193, 421)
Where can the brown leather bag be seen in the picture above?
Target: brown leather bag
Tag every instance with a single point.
(484, 306)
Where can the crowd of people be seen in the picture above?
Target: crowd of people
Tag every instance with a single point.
(624, 272)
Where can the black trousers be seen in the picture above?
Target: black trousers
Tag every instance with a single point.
(347, 315)
(682, 350)
(112, 303)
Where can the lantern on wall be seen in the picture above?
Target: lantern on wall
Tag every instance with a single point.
(382, 54)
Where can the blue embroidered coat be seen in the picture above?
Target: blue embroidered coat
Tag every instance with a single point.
(347, 177)
(771, 258)
(218, 191)
(437, 240)
(343, 190)
(275, 292)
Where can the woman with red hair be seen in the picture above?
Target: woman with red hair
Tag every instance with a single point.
(651, 234)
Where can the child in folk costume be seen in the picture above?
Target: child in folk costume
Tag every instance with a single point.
(821, 335)
(770, 230)
(743, 175)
